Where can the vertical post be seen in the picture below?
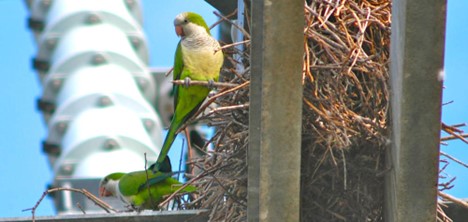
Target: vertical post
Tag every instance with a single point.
(275, 110)
(416, 55)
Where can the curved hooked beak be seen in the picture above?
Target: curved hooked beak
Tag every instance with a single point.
(103, 192)
(179, 30)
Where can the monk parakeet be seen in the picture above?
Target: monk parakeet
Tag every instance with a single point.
(132, 188)
(198, 57)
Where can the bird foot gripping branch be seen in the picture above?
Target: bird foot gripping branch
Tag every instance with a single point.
(211, 84)
(187, 82)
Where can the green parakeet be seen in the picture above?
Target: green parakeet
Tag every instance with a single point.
(198, 57)
(132, 188)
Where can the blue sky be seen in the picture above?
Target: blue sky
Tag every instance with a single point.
(25, 169)
(456, 79)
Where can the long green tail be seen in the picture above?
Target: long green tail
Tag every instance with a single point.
(166, 167)
(170, 137)
(187, 102)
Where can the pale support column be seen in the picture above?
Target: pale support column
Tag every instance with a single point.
(275, 110)
(416, 67)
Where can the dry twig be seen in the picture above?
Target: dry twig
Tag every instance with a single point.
(147, 182)
(454, 132)
(453, 199)
(205, 83)
(89, 195)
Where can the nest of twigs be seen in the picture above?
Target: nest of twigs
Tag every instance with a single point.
(345, 117)
(346, 99)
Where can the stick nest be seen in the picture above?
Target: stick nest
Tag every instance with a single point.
(346, 99)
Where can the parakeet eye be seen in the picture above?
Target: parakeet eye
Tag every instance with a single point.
(185, 20)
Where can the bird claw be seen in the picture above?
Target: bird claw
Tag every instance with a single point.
(187, 82)
(211, 84)
(139, 209)
(130, 208)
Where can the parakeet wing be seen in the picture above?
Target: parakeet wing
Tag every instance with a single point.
(133, 182)
(178, 67)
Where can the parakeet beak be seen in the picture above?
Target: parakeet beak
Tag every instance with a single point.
(179, 31)
(103, 192)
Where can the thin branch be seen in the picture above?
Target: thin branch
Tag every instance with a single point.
(246, 34)
(453, 128)
(189, 147)
(190, 182)
(441, 216)
(228, 193)
(147, 182)
(458, 125)
(453, 199)
(223, 18)
(89, 195)
(205, 83)
(228, 108)
(178, 190)
(451, 137)
(447, 185)
(169, 72)
(454, 159)
(345, 170)
(454, 131)
(80, 207)
(233, 44)
(181, 159)
(443, 104)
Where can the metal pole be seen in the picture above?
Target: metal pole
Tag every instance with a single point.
(275, 110)
(417, 55)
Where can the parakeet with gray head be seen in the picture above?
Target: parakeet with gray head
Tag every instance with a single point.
(133, 189)
(198, 57)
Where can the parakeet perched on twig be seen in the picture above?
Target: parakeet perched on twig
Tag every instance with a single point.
(198, 57)
(132, 188)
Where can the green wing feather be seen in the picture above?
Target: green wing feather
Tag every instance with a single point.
(178, 67)
(133, 186)
(131, 183)
(187, 100)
